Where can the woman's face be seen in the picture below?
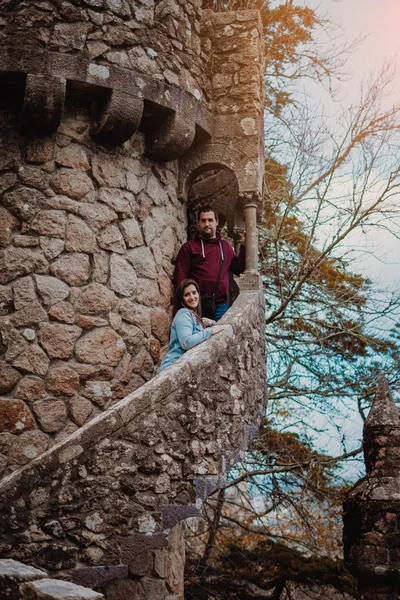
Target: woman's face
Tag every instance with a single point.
(190, 297)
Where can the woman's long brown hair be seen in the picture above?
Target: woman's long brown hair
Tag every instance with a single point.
(178, 298)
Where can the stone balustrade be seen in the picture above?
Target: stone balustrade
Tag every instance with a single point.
(114, 489)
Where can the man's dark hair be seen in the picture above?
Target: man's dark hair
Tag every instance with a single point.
(204, 209)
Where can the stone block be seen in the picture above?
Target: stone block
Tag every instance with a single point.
(72, 183)
(7, 225)
(30, 388)
(51, 414)
(58, 339)
(80, 409)
(160, 325)
(15, 262)
(51, 289)
(96, 299)
(73, 156)
(142, 261)
(62, 380)
(28, 446)
(101, 346)
(14, 416)
(110, 238)
(73, 269)
(123, 279)
(51, 247)
(50, 223)
(24, 202)
(80, 238)
(13, 574)
(8, 377)
(62, 311)
(131, 232)
(55, 589)
(39, 149)
(32, 360)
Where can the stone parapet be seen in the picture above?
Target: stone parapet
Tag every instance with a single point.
(20, 582)
(113, 489)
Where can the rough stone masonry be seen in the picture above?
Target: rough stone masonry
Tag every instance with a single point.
(92, 214)
(109, 111)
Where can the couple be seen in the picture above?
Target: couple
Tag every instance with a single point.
(202, 267)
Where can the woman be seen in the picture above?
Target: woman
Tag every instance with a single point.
(188, 328)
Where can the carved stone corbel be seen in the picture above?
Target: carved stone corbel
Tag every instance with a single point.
(117, 118)
(43, 104)
(172, 138)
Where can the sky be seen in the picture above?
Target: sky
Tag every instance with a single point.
(377, 22)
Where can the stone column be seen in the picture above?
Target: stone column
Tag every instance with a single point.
(250, 212)
(372, 507)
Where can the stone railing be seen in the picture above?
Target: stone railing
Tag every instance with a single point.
(111, 491)
(20, 582)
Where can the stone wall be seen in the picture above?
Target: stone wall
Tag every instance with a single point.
(111, 491)
(88, 233)
(155, 37)
(87, 238)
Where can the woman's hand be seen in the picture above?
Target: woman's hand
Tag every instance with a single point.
(217, 328)
(207, 322)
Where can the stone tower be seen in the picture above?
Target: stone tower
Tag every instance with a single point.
(117, 117)
(372, 507)
(110, 110)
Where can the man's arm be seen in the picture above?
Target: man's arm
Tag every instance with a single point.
(183, 263)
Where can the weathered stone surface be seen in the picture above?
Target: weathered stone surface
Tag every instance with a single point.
(33, 176)
(123, 279)
(143, 364)
(13, 342)
(14, 416)
(89, 322)
(7, 225)
(58, 339)
(51, 414)
(143, 262)
(24, 292)
(62, 311)
(30, 388)
(32, 360)
(136, 314)
(73, 269)
(101, 267)
(23, 202)
(28, 446)
(61, 379)
(80, 238)
(51, 289)
(80, 409)
(100, 392)
(49, 589)
(8, 377)
(6, 299)
(51, 247)
(15, 262)
(132, 336)
(73, 156)
(106, 173)
(96, 299)
(160, 325)
(31, 314)
(25, 241)
(147, 292)
(166, 290)
(39, 149)
(119, 200)
(50, 223)
(100, 346)
(72, 183)
(13, 574)
(123, 588)
(131, 232)
(110, 238)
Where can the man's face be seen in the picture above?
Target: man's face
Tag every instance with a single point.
(207, 224)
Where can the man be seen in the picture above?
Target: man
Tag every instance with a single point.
(200, 259)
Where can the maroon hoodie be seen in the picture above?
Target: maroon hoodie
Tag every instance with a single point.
(199, 259)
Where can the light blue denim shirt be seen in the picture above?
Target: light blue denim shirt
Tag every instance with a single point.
(186, 332)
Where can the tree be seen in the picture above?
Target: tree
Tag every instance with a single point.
(329, 332)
